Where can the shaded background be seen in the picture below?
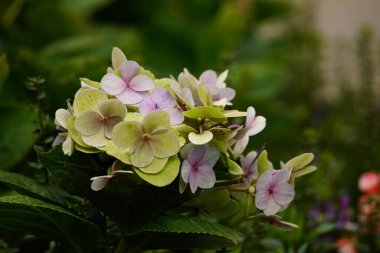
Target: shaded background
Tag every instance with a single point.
(310, 67)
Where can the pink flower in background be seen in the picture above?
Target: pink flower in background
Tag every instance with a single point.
(346, 245)
(197, 167)
(160, 99)
(221, 95)
(253, 125)
(129, 86)
(369, 182)
(273, 192)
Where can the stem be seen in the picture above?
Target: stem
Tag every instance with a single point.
(229, 182)
(237, 189)
(258, 154)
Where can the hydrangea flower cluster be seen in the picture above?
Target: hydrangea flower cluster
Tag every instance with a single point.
(177, 130)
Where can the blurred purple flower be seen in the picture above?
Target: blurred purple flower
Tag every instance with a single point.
(197, 167)
(128, 88)
(273, 192)
(221, 95)
(160, 99)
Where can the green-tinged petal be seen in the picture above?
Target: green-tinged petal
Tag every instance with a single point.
(88, 122)
(133, 116)
(88, 99)
(166, 176)
(142, 155)
(146, 72)
(234, 168)
(162, 82)
(262, 162)
(221, 133)
(204, 112)
(156, 121)
(304, 171)
(91, 83)
(183, 129)
(234, 114)
(112, 107)
(200, 139)
(300, 161)
(96, 140)
(117, 58)
(75, 134)
(180, 137)
(204, 96)
(164, 144)
(88, 150)
(127, 133)
(155, 166)
(68, 146)
(120, 153)
(62, 116)
(110, 123)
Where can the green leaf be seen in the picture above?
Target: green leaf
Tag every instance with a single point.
(185, 233)
(204, 112)
(262, 162)
(28, 186)
(234, 168)
(88, 99)
(32, 216)
(228, 210)
(165, 176)
(4, 66)
(16, 133)
(300, 161)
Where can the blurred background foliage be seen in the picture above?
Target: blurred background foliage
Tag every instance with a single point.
(271, 47)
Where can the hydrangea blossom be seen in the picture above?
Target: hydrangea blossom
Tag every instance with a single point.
(221, 95)
(147, 139)
(249, 166)
(197, 168)
(96, 125)
(253, 125)
(273, 192)
(61, 118)
(160, 99)
(129, 86)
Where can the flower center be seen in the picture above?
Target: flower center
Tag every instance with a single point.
(270, 190)
(156, 106)
(145, 137)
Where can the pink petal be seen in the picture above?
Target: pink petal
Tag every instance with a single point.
(283, 193)
(129, 96)
(264, 182)
(196, 154)
(272, 207)
(251, 112)
(141, 83)
(240, 146)
(261, 200)
(99, 183)
(280, 176)
(58, 140)
(129, 69)
(204, 178)
(257, 126)
(163, 98)
(208, 77)
(176, 116)
(210, 157)
(146, 105)
(112, 84)
(227, 93)
(186, 169)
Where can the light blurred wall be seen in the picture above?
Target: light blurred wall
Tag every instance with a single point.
(340, 22)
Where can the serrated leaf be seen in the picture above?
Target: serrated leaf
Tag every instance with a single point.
(234, 168)
(30, 187)
(32, 216)
(165, 176)
(190, 233)
(204, 112)
(262, 162)
(300, 161)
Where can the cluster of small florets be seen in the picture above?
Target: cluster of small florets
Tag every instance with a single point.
(164, 129)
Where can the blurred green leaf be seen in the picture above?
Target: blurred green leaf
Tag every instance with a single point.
(4, 69)
(32, 216)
